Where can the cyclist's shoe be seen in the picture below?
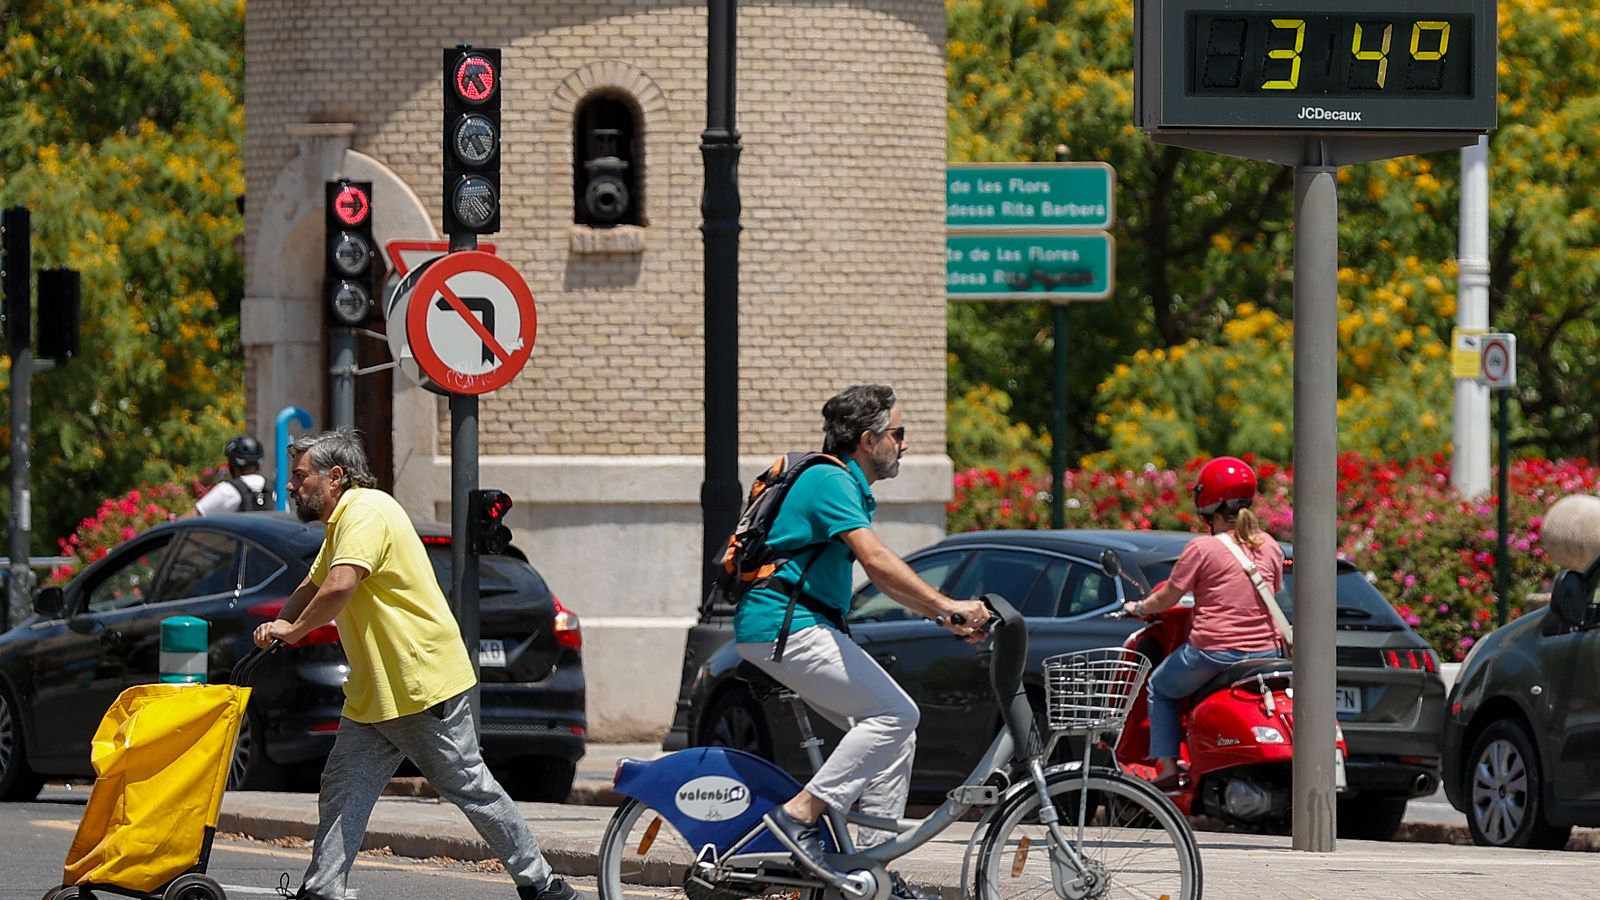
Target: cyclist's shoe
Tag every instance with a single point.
(801, 839)
(554, 889)
(901, 889)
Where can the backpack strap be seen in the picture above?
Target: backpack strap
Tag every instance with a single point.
(1274, 611)
(795, 593)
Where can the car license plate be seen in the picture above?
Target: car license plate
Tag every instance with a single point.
(1347, 701)
(491, 653)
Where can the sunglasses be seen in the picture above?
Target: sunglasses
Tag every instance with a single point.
(899, 434)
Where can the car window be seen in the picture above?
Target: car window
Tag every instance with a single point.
(1045, 598)
(258, 567)
(496, 574)
(128, 582)
(1009, 573)
(872, 605)
(201, 566)
(1360, 604)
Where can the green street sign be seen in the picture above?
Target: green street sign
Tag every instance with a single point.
(1025, 265)
(1029, 195)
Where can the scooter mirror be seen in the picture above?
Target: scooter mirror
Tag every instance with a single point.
(1111, 563)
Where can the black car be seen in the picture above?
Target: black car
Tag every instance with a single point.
(1522, 741)
(1390, 694)
(61, 668)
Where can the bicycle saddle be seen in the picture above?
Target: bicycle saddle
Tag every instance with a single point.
(1279, 672)
(762, 685)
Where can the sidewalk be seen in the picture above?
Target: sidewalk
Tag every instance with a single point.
(1235, 865)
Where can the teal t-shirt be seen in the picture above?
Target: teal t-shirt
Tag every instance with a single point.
(823, 503)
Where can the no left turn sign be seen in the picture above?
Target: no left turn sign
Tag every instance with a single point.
(471, 322)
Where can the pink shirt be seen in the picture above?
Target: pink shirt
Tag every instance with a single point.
(1229, 613)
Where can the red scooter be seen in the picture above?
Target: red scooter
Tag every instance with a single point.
(1238, 734)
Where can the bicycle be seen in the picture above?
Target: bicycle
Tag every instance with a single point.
(693, 818)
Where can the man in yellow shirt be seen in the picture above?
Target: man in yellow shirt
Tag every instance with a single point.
(406, 695)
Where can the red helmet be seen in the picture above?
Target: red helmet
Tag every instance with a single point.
(1225, 484)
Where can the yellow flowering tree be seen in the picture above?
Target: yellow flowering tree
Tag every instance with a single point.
(120, 128)
(1204, 267)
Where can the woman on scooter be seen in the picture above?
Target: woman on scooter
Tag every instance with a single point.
(1231, 622)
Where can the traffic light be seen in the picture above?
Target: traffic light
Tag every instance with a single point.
(17, 246)
(471, 141)
(60, 297)
(348, 281)
(486, 512)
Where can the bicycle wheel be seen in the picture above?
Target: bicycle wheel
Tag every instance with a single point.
(1142, 849)
(641, 856)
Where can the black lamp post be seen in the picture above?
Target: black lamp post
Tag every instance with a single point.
(719, 205)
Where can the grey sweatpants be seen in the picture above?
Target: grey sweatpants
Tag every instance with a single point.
(443, 744)
(872, 763)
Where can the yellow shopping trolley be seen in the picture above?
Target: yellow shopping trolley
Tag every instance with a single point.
(161, 757)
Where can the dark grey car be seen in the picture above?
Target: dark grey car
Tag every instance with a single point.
(1390, 693)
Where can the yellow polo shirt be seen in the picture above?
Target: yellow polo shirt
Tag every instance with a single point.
(399, 636)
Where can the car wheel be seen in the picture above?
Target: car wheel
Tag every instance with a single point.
(1505, 791)
(539, 779)
(1371, 818)
(250, 769)
(17, 780)
(735, 720)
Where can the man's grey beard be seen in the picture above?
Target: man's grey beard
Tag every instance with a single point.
(307, 510)
(887, 470)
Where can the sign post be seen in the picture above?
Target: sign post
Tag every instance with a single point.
(1033, 231)
(1497, 370)
(1315, 85)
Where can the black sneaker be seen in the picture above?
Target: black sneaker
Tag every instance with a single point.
(801, 839)
(901, 889)
(554, 889)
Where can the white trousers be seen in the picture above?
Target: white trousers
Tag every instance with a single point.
(835, 677)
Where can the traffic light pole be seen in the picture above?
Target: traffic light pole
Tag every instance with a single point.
(464, 577)
(19, 307)
(342, 347)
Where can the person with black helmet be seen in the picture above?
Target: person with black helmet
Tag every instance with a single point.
(246, 489)
(1231, 620)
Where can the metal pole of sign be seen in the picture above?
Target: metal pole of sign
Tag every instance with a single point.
(1316, 437)
(1058, 425)
(19, 306)
(342, 342)
(464, 575)
(1502, 575)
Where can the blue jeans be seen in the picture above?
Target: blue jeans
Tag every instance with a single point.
(1179, 675)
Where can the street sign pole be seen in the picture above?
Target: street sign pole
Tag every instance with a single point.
(1058, 424)
(1502, 575)
(1316, 440)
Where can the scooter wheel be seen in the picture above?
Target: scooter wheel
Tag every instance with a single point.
(193, 886)
(65, 892)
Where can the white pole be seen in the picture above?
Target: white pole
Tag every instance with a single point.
(1469, 470)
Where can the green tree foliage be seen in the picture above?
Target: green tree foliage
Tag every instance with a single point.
(120, 128)
(1193, 353)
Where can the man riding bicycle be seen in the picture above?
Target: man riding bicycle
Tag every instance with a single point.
(826, 520)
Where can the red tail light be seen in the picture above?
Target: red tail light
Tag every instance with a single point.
(1415, 660)
(569, 633)
(436, 540)
(327, 634)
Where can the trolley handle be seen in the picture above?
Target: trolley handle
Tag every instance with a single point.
(246, 666)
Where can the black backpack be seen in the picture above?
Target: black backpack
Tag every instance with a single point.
(749, 562)
(252, 500)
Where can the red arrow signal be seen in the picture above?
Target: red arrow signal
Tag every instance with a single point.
(352, 205)
(475, 78)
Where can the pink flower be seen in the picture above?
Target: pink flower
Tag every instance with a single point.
(128, 533)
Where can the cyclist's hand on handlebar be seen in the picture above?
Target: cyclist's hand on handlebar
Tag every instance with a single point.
(1134, 608)
(969, 620)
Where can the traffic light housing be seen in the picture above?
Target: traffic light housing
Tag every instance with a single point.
(486, 512)
(16, 244)
(60, 299)
(471, 140)
(349, 283)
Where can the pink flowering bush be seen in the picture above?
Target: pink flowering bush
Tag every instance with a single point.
(1429, 552)
(121, 518)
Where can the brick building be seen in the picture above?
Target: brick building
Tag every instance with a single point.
(599, 442)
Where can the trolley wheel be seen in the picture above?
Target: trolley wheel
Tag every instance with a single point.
(61, 893)
(193, 886)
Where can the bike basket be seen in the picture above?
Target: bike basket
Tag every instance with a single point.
(1092, 691)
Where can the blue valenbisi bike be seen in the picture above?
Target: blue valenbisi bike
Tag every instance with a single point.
(691, 824)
